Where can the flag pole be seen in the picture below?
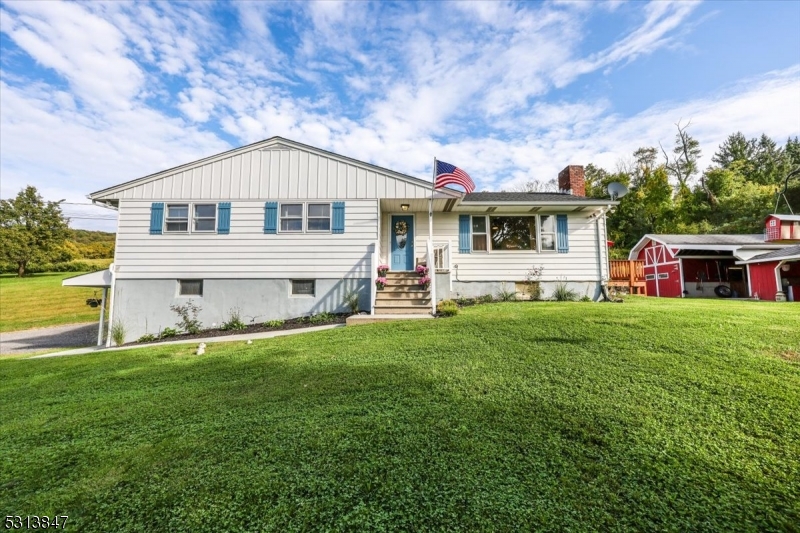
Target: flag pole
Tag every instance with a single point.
(430, 205)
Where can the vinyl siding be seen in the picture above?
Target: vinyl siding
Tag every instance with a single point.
(272, 173)
(246, 252)
(579, 264)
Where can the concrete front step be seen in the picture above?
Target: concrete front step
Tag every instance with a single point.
(416, 310)
(403, 282)
(355, 320)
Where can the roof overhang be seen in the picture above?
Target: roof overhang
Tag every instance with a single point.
(99, 279)
(741, 251)
(794, 257)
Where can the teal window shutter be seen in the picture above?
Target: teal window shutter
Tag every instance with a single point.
(156, 218)
(463, 234)
(224, 218)
(562, 234)
(271, 217)
(337, 224)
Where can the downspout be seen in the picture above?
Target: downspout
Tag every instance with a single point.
(778, 278)
(598, 242)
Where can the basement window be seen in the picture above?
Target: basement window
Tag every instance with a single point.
(190, 287)
(303, 287)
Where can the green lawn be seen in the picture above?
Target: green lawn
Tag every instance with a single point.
(652, 415)
(39, 300)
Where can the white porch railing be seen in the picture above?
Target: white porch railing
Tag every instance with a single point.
(441, 255)
(373, 267)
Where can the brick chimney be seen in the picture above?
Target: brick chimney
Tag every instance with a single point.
(571, 180)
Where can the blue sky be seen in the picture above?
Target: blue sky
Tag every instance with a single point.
(94, 94)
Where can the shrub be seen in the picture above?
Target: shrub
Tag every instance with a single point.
(532, 285)
(447, 308)
(585, 298)
(273, 323)
(234, 322)
(351, 301)
(188, 317)
(147, 337)
(505, 295)
(564, 294)
(320, 318)
(118, 333)
(167, 333)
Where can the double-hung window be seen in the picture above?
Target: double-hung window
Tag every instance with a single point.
(479, 236)
(177, 218)
(547, 233)
(205, 217)
(319, 217)
(292, 218)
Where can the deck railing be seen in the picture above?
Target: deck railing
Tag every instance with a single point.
(630, 273)
(441, 255)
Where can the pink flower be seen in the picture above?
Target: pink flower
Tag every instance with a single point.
(380, 281)
(424, 280)
(422, 270)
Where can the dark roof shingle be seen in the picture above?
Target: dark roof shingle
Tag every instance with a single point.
(527, 197)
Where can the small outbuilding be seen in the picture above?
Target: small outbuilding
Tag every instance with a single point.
(763, 266)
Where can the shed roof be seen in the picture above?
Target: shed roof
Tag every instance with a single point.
(757, 238)
(790, 252)
(793, 218)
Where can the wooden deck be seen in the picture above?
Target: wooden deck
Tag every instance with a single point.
(625, 273)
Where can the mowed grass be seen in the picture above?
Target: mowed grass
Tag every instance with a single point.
(39, 300)
(652, 415)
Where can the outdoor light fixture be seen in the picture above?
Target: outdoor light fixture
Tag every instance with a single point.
(785, 268)
(404, 207)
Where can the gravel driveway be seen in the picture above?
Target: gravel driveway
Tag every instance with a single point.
(35, 340)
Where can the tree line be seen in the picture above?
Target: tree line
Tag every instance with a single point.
(668, 193)
(35, 232)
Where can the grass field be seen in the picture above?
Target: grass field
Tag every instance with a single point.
(39, 300)
(652, 415)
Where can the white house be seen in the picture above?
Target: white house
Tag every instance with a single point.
(279, 229)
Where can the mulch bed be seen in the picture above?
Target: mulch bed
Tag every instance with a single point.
(292, 323)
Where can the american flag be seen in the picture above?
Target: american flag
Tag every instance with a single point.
(447, 174)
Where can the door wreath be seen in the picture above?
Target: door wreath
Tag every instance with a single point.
(401, 232)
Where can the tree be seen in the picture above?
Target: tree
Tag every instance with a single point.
(31, 230)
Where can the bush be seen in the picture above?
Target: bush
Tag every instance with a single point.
(234, 322)
(188, 317)
(585, 298)
(447, 308)
(147, 337)
(167, 333)
(71, 266)
(118, 333)
(321, 318)
(351, 301)
(532, 285)
(564, 294)
(486, 299)
(273, 323)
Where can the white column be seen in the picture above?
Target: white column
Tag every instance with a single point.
(102, 317)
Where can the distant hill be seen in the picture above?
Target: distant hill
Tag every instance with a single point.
(86, 244)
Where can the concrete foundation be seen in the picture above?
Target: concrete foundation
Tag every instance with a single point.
(474, 289)
(143, 306)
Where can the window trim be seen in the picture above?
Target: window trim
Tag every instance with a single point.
(304, 217)
(554, 233)
(537, 250)
(191, 218)
(173, 219)
(180, 289)
(195, 218)
(313, 286)
(329, 217)
(485, 234)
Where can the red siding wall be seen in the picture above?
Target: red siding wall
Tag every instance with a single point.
(762, 280)
(659, 261)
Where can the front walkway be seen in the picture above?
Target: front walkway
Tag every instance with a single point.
(224, 338)
(37, 340)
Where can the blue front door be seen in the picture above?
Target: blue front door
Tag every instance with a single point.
(401, 234)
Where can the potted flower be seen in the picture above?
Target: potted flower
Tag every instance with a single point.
(422, 270)
(380, 282)
(383, 270)
(424, 282)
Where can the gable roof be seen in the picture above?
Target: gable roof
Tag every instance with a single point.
(273, 143)
(538, 198)
(790, 252)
